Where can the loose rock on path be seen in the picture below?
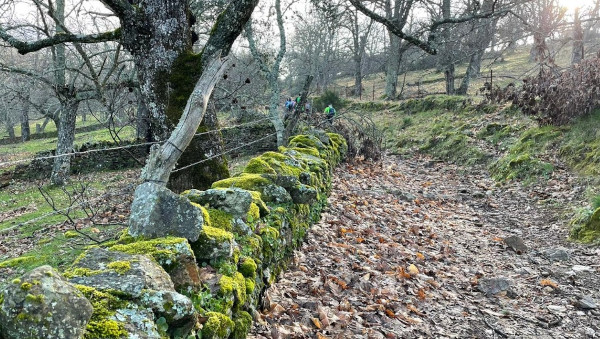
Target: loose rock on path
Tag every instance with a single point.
(415, 248)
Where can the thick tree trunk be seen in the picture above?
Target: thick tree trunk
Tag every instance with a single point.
(66, 136)
(168, 71)
(163, 158)
(25, 130)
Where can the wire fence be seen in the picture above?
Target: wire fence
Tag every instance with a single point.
(129, 188)
(50, 157)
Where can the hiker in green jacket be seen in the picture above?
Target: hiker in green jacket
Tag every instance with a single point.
(330, 113)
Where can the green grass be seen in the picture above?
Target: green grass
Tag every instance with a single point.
(50, 127)
(513, 65)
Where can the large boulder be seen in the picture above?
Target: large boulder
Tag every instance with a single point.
(43, 305)
(157, 212)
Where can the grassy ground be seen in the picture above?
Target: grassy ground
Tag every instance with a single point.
(30, 237)
(511, 68)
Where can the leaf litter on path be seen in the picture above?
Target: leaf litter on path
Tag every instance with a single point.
(403, 247)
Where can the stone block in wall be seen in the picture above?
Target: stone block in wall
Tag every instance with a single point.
(42, 304)
(158, 212)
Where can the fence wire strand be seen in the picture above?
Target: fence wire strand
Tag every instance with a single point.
(49, 157)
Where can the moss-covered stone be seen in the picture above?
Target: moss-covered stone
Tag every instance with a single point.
(247, 267)
(217, 326)
(235, 286)
(243, 323)
(258, 166)
(589, 232)
(220, 219)
(213, 245)
(101, 324)
(120, 267)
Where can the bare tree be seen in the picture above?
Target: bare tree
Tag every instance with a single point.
(271, 71)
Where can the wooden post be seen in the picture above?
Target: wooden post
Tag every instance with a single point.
(491, 82)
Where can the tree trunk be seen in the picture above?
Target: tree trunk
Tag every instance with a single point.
(392, 67)
(43, 127)
(10, 129)
(358, 75)
(25, 130)
(577, 53)
(66, 136)
(163, 158)
(472, 71)
(142, 119)
(450, 79)
(168, 71)
(274, 113)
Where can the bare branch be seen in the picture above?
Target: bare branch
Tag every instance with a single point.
(28, 47)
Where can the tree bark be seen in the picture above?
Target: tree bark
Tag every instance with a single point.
(472, 71)
(25, 130)
(142, 121)
(168, 70)
(66, 135)
(447, 56)
(578, 51)
(163, 158)
(392, 68)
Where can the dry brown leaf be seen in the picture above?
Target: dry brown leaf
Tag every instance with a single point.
(414, 310)
(421, 294)
(316, 322)
(413, 270)
(320, 336)
(548, 282)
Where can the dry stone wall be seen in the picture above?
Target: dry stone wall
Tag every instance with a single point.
(202, 277)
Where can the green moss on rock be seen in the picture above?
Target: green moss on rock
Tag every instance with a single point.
(217, 326)
(120, 267)
(243, 323)
(220, 219)
(247, 267)
(101, 325)
(590, 231)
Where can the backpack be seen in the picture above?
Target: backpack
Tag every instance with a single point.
(331, 111)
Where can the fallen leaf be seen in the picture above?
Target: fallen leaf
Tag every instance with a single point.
(548, 282)
(413, 270)
(316, 322)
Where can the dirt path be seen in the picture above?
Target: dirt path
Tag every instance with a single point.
(409, 248)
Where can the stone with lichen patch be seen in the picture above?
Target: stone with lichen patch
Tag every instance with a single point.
(174, 255)
(93, 269)
(158, 212)
(49, 307)
(174, 307)
(231, 200)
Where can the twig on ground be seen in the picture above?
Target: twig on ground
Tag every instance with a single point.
(499, 332)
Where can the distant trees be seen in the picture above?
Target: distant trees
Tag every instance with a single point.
(158, 36)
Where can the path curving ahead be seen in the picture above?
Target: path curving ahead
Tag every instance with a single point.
(407, 249)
